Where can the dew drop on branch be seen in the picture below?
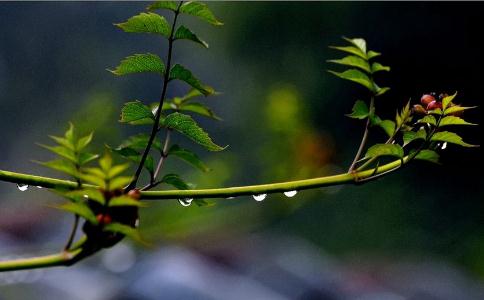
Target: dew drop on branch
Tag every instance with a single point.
(290, 194)
(259, 197)
(22, 187)
(228, 198)
(39, 187)
(185, 201)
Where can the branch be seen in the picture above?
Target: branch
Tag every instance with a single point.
(305, 184)
(364, 138)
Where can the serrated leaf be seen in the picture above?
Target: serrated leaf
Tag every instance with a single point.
(62, 152)
(170, 5)
(79, 209)
(136, 113)
(436, 112)
(84, 141)
(359, 111)
(372, 54)
(200, 109)
(447, 100)
(410, 136)
(453, 120)
(388, 126)
(140, 141)
(350, 49)
(357, 42)
(201, 11)
(429, 119)
(456, 108)
(188, 156)
(188, 127)
(353, 61)
(385, 150)
(126, 230)
(450, 137)
(404, 116)
(181, 73)
(176, 181)
(119, 182)
(139, 63)
(355, 76)
(183, 33)
(85, 158)
(125, 201)
(146, 23)
(62, 166)
(428, 155)
(377, 67)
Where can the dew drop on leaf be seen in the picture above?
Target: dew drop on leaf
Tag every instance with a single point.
(185, 201)
(290, 194)
(259, 197)
(22, 187)
(228, 198)
(444, 145)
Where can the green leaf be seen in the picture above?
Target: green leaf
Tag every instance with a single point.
(388, 126)
(410, 136)
(176, 181)
(428, 155)
(359, 111)
(372, 54)
(356, 76)
(188, 156)
(116, 170)
(94, 180)
(404, 116)
(62, 166)
(69, 135)
(125, 201)
(170, 5)
(79, 209)
(429, 119)
(357, 42)
(452, 120)
(436, 112)
(350, 49)
(139, 63)
(120, 182)
(201, 11)
(447, 100)
(139, 141)
(456, 108)
(200, 109)
(377, 67)
(183, 33)
(385, 150)
(133, 155)
(146, 23)
(136, 113)
(450, 137)
(84, 141)
(380, 91)
(126, 230)
(92, 194)
(181, 73)
(85, 158)
(106, 162)
(353, 61)
(62, 152)
(63, 142)
(188, 127)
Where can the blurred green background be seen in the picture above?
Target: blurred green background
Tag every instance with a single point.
(283, 119)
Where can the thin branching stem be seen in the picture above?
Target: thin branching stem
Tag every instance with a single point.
(364, 137)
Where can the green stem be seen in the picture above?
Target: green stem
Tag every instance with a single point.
(345, 178)
(364, 138)
(64, 258)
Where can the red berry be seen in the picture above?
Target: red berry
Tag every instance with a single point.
(104, 219)
(434, 105)
(427, 99)
(134, 193)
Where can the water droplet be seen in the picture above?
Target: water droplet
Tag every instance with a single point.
(444, 145)
(290, 194)
(86, 196)
(185, 201)
(228, 198)
(259, 197)
(39, 187)
(22, 187)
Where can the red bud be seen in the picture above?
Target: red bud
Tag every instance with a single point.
(434, 105)
(426, 99)
(134, 193)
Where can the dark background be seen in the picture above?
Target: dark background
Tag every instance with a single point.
(283, 119)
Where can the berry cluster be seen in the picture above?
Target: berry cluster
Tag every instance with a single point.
(430, 102)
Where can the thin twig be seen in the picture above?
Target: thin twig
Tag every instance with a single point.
(364, 138)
